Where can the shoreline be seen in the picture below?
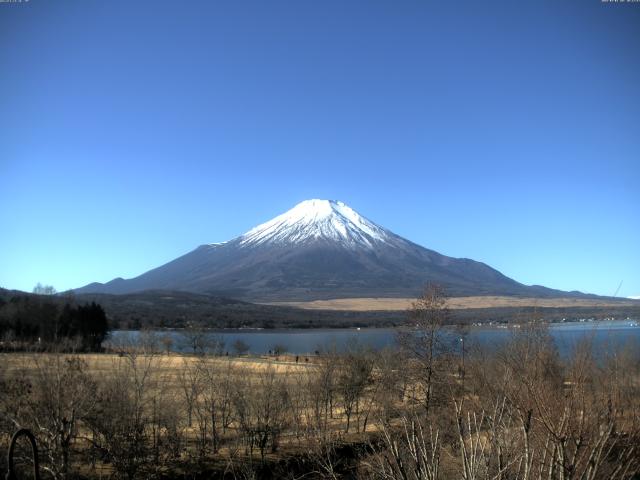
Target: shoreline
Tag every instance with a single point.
(477, 325)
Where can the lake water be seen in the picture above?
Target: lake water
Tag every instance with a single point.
(606, 336)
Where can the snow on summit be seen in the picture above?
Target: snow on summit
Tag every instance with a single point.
(318, 220)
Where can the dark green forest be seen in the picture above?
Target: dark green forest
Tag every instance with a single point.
(43, 320)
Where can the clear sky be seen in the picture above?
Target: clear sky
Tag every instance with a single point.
(507, 132)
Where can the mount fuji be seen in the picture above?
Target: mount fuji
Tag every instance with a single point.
(320, 249)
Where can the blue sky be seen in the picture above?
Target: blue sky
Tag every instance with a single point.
(507, 132)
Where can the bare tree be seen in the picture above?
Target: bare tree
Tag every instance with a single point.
(167, 342)
(214, 408)
(423, 340)
(40, 289)
(195, 338)
(411, 452)
(556, 420)
(261, 408)
(322, 386)
(323, 452)
(121, 419)
(189, 379)
(279, 349)
(167, 428)
(216, 344)
(393, 380)
(354, 376)
(241, 347)
(60, 395)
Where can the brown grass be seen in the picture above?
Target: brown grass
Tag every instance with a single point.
(167, 364)
(455, 303)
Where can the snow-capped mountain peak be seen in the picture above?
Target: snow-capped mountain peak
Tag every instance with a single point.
(320, 249)
(317, 220)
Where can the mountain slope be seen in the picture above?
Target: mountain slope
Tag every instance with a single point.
(320, 249)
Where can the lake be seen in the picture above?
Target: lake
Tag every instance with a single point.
(606, 336)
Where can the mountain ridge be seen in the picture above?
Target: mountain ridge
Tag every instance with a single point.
(320, 249)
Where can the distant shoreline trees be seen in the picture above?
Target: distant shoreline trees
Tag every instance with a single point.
(40, 289)
(39, 319)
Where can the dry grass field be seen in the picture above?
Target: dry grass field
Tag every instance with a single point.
(178, 385)
(166, 368)
(454, 303)
(140, 413)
